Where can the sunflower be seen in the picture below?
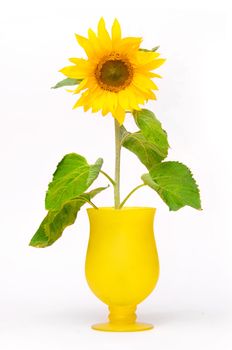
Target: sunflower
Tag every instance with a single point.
(116, 76)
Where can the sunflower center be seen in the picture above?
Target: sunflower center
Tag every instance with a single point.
(114, 74)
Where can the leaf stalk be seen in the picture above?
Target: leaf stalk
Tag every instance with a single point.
(129, 194)
(108, 177)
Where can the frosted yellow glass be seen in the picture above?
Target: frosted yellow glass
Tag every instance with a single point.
(122, 265)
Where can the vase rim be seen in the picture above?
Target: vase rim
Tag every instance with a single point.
(120, 209)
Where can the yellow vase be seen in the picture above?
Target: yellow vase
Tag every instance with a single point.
(122, 265)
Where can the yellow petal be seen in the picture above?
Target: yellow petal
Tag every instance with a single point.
(133, 104)
(97, 104)
(91, 96)
(129, 45)
(112, 100)
(154, 75)
(79, 102)
(94, 41)
(116, 30)
(154, 64)
(85, 44)
(68, 90)
(140, 94)
(75, 72)
(119, 114)
(81, 86)
(143, 95)
(149, 74)
(107, 104)
(104, 111)
(144, 57)
(86, 107)
(150, 95)
(103, 35)
(123, 99)
(79, 61)
(98, 100)
(82, 100)
(144, 82)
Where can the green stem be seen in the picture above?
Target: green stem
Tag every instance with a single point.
(108, 177)
(88, 201)
(131, 192)
(117, 164)
(91, 203)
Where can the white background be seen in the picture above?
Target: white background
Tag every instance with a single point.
(45, 302)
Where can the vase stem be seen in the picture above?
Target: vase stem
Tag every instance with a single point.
(122, 314)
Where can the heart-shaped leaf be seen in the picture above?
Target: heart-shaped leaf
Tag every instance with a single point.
(175, 184)
(150, 144)
(56, 221)
(72, 177)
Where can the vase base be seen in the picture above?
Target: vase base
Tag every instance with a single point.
(114, 327)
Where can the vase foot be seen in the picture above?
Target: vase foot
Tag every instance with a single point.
(114, 327)
(122, 319)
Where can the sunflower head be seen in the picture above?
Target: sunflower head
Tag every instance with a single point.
(116, 77)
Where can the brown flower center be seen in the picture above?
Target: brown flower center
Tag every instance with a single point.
(114, 73)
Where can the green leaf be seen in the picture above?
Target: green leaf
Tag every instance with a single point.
(150, 144)
(67, 82)
(175, 184)
(56, 221)
(152, 50)
(72, 177)
(145, 150)
(152, 130)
